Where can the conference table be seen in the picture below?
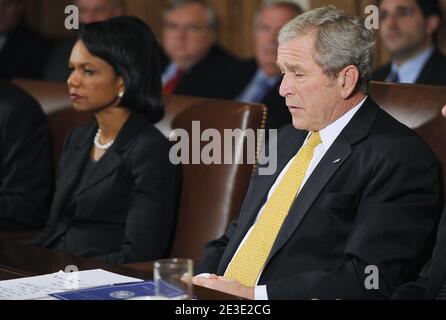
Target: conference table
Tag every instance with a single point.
(18, 260)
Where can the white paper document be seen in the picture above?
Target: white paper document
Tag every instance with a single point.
(41, 286)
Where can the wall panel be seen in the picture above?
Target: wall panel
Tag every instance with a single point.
(236, 19)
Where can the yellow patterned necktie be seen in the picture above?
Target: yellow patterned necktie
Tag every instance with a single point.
(248, 262)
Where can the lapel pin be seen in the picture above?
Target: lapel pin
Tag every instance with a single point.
(337, 161)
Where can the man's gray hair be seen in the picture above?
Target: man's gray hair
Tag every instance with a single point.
(340, 41)
(212, 15)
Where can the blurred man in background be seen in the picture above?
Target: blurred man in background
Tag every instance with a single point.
(23, 52)
(99, 10)
(259, 78)
(194, 64)
(89, 11)
(408, 31)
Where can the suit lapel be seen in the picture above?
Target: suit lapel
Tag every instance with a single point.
(104, 167)
(334, 158)
(259, 192)
(355, 131)
(429, 68)
(73, 163)
(112, 159)
(382, 73)
(325, 170)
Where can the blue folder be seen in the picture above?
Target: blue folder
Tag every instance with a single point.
(121, 292)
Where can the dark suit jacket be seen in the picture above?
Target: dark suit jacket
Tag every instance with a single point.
(24, 54)
(433, 274)
(374, 199)
(26, 181)
(278, 114)
(125, 209)
(433, 72)
(211, 78)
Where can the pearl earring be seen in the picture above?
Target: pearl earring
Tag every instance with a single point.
(121, 94)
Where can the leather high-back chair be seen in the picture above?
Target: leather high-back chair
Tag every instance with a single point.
(211, 195)
(418, 107)
(52, 96)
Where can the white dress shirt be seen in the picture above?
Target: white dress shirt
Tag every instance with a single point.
(328, 136)
(259, 86)
(169, 73)
(409, 71)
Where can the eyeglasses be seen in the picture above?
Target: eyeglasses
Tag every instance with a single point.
(191, 28)
(400, 13)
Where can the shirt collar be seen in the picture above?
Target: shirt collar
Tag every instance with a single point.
(260, 75)
(329, 134)
(409, 71)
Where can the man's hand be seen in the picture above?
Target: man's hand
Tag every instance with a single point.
(225, 285)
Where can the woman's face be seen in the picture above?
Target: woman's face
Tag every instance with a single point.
(93, 84)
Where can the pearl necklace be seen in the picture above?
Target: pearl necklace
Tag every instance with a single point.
(98, 144)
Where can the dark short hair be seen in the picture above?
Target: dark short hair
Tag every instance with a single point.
(130, 47)
(428, 7)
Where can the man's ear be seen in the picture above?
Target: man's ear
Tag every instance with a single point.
(432, 24)
(348, 79)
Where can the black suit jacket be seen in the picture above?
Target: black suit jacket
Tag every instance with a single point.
(433, 72)
(278, 114)
(374, 199)
(125, 210)
(24, 54)
(211, 78)
(433, 275)
(26, 180)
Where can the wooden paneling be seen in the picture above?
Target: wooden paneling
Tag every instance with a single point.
(349, 6)
(236, 17)
(52, 17)
(148, 10)
(237, 24)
